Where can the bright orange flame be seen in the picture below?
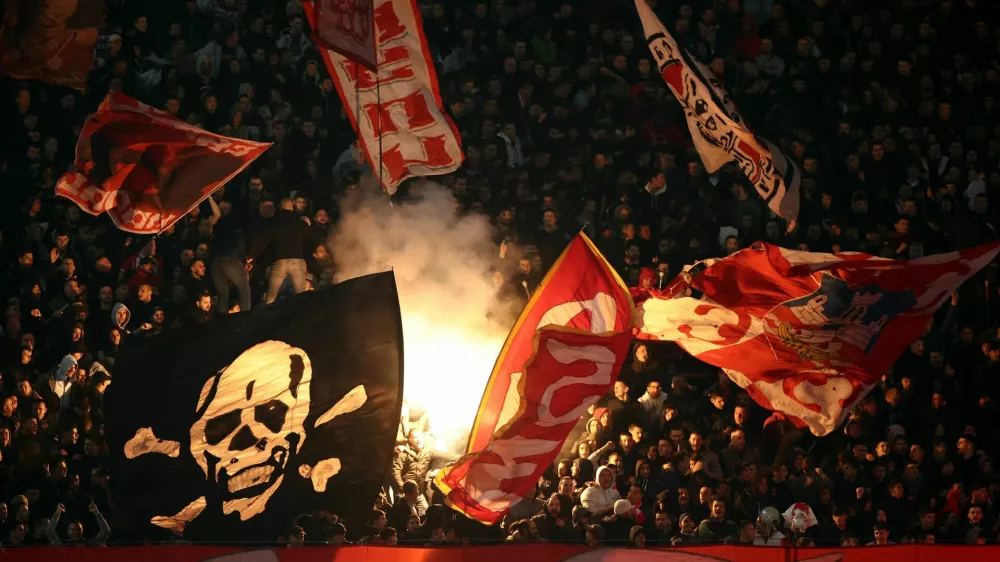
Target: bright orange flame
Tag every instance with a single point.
(446, 368)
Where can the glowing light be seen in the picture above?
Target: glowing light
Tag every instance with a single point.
(442, 263)
(446, 368)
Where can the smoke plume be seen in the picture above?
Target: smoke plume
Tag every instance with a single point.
(441, 261)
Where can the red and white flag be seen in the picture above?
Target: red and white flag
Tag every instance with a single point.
(400, 102)
(580, 291)
(569, 372)
(718, 130)
(51, 40)
(347, 27)
(145, 168)
(806, 334)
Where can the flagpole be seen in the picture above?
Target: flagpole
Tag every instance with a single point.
(378, 101)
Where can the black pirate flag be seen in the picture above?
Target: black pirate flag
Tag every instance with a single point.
(227, 430)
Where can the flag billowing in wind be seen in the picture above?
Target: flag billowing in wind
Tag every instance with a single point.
(50, 40)
(228, 430)
(347, 27)
(719, 132)
(806, 334)
(580, 291)
(145, 168)
(539, 387)
(396, 110)
(569, 371)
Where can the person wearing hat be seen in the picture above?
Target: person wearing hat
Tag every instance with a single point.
(617, 527)
(687, 534)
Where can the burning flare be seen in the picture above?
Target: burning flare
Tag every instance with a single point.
(442, 265)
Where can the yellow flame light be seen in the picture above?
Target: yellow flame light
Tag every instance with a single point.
(446, 368)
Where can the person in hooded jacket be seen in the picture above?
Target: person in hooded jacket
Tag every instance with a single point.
(600, 498)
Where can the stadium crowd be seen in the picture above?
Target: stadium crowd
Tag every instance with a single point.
(888, 108)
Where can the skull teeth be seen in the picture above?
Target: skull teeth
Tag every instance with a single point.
(250, 477)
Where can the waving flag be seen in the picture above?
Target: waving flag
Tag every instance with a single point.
(580, 291)
(569, 372)
(51, 40)
(719, 132)
(806, 334)
(540, 387)
(396, 110)
(347, 27)
(269, 413)
(145, 168)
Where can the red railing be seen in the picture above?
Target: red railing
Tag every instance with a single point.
(505, 553)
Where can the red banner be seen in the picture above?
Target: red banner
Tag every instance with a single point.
(580, 291)
(396, 110)
(569, 372)
(50, 40)
(347, 27)
(808, 334)
(147, 169)
(506, 553)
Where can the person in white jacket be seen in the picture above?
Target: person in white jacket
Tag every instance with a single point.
(652, 402)
(600, 500)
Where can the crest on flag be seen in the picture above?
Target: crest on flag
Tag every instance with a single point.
(836, 320)
(806, 334)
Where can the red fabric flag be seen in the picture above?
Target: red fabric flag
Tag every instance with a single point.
(347, 27)
(806, 334)
(580, 291)
(50, 40)
(396, 111)
(147, 169)
(569, 371)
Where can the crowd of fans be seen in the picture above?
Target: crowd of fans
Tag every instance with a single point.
(887, 107)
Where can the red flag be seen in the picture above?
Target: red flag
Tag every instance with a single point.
(50, 40)
(397, 111)
(580, 291)
(347, 27)
(147, 169)
(569, 371)
(807, 334)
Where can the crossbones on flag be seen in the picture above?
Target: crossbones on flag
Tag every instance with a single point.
(396, 110)
(227, 430)
(806, 334)
(145, 168)
(718, 130)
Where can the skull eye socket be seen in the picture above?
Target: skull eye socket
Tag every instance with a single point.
(271, 415)
(219, 427)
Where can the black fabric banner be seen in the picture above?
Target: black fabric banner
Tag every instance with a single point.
(228, 430)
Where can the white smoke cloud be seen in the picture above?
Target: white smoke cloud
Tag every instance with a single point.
(442, 266)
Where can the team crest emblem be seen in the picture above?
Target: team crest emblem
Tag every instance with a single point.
(836, 324)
